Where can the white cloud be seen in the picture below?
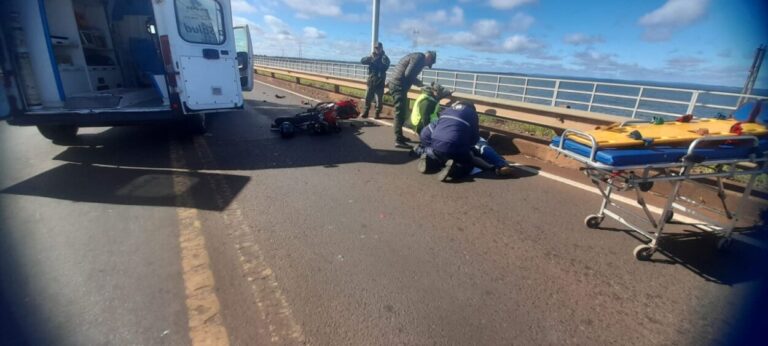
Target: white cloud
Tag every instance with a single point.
(578, 39)
(312, 8)
(280, 30)
(313, 33)
(388, 6)
(521, 22)
(454, 18)
(509, 4)
(662, 22)
(484, 36)
(486, 28)
(237, 20)
(520, 43)
(243, 6)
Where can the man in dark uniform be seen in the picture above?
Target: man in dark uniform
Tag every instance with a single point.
(378, 64)
(405, 75)
(448, 142)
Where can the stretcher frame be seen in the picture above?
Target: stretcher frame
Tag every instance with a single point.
(608, 179)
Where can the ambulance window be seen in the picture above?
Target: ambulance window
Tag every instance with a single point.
(200, 21)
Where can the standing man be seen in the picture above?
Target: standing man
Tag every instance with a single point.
(405, 75)
(378, 64)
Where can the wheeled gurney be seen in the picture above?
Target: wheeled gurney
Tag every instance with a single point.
(637, 169)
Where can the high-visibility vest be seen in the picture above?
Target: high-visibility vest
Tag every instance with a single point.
(416, 111)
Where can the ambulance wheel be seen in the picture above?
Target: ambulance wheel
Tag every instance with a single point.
(287, 130)
(643, 252)
(58, 133)
(196, 124)
(723, 244)
(593, 221)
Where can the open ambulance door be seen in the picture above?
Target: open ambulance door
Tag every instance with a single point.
(244, 56)
(198, 46)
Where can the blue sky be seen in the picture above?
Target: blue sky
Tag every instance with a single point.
(690, 41)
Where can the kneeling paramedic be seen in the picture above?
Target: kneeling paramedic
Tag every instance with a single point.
(448, 143)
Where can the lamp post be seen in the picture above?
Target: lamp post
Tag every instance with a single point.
(375, 24)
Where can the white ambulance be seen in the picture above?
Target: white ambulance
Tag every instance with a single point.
(66, 64)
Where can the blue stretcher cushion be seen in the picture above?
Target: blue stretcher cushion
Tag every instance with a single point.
(660, 154)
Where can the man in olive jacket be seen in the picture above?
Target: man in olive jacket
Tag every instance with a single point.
(378, 64)
(405, 75)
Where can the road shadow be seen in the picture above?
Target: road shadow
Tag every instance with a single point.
(236, 141)
(519, 172)
(133, 166)
(128, 186)
(697, 251)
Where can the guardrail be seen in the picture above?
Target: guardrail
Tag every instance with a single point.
(628, 100)
(555, 118)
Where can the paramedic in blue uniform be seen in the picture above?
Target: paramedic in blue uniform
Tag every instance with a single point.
(378, 64)
(405, 75)
(449, 141)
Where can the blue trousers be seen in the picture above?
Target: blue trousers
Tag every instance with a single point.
(488, 154)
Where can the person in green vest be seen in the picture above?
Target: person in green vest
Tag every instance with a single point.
(427, 106)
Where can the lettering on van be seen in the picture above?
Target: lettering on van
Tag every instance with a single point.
(200, 21)
(200, 29)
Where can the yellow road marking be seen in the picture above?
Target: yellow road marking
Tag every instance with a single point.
(273, 305)
(206, 326)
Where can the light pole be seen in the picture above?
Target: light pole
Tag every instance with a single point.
(375, 25)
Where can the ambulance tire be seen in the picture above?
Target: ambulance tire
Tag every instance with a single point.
(196, 124)
(58, 133)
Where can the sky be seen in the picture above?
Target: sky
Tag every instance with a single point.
(709, 42)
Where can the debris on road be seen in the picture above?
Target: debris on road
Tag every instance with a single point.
(279, 96)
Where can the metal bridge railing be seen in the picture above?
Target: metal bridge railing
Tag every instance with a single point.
(631, 100)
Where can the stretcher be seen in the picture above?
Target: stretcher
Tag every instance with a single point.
(623, 169)
(670, 133)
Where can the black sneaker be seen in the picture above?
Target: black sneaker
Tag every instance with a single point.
(445, 173)
(421, 165)
(364, 116)
(403, 139)
(402, 145)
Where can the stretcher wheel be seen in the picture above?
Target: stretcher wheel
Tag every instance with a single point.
(669, 217)
(724, 243)
(643, 252)
(645, 186)
(593, 221)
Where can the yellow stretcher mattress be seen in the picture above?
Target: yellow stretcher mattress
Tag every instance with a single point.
(670, 133)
